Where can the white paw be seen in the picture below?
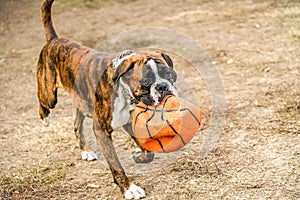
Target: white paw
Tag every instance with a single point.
(89, 155)
(134, 192)
(46, 121)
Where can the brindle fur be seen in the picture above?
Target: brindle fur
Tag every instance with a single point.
(89, 78)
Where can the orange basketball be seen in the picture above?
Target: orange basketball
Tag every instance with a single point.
(166, 127)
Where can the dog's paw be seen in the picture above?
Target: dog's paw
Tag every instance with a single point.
(134, 192)
(140, 156)
(89, 155)
(46, 120)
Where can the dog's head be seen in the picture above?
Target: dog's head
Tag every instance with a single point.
(146, 76)
(140, 77)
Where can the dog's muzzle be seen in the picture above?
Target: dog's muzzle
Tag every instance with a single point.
(160, 90)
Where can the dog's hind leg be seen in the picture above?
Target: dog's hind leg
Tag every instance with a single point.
(86, 153)
(47, 90)
(44, 114)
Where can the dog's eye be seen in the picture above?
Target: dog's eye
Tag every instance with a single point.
(169, 77)
(146, 83)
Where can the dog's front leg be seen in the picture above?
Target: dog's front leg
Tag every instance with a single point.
(140, 155)
(130, 191)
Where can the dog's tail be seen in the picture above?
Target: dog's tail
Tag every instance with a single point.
(47, 21)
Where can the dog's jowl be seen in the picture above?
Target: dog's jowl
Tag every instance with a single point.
(103, 87)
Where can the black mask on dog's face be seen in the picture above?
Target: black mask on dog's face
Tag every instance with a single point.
(151, 80)
(157, 82)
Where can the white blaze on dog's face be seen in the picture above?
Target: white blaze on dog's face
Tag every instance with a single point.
(161, 82)
(151, 82)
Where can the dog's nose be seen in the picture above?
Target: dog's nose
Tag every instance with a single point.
(162, 87)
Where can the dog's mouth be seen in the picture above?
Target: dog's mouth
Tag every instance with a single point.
(153, 94)
(154, 98)
(157, 98)
(159, 91)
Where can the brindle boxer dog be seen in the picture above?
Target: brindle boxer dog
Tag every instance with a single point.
(104, 87)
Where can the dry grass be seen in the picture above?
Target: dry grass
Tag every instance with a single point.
(255, 46)
(37, 179)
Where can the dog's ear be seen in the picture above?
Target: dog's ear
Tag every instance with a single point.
(167, 59)
(122, 69)
(128, 65)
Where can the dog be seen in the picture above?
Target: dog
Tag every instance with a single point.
(103, 87)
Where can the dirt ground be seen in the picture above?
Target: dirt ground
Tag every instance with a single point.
(255, 46)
